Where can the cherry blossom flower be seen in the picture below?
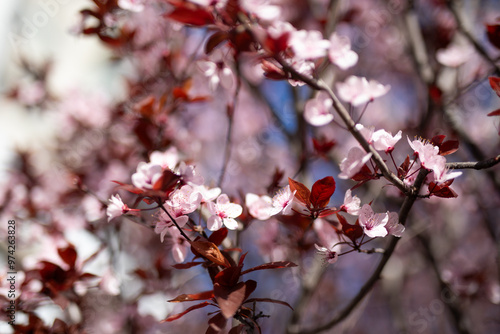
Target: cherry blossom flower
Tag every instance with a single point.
(393, 226)
(385, 141)
(207, 194)
(373, 224)
(132, 5)
(367, 133)
(167, 159)
(357, 91)
(165, 223)
(262, 9)
(328, 255)
(146, 176)
(259, 206)
(185, 199)
(340, 52)
(304, 67)
(454, 55)
(308, 44)
(282, 201)
(280, 28)
(317, 111)
(429, 157)
(223, 213)
(351, 204)
(188, 174)
(352, 164)
(442, 174)
(179, 245)
(116, 208)
(217, 73)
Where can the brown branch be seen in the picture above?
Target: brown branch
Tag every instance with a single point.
(474, 165)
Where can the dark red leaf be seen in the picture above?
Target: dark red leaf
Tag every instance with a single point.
(448, 147)
(268, 300)
(322, 146)
(210, 251)
(495, 113)
(68, 255)
(186, 265)
(242, 259)
(353, 232)
(251, 285)
(321, 192)
(192, 308)
(229, 299)
(206, 295)
(216, 324)
(215, 40)
(167, 181)
(129, 187)
(218, 236)
(229, 276)
(327, 212)
(404, 168)
(271, 71)
(302, 193)
(493, 33)
(192, 16)
(495, 84)
(442, 190)
(271, 265)
(437, 140)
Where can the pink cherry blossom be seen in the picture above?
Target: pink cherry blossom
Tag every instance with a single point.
(328, 255)
(428, 155)
(217, 73)
(179, 245)
(318, 111)
(351, 203)
(167, 159)
(393, 226)
(189, 175)
(132, 5)
(259, 206)
(367, 133)
(454, 55)
(385, 141)
(340, 52)
(116, 208)
(223, 213)
(352, 164)
(207, 194)
(304, 67)
(283, 201)
(357, 91)
(308, 45)
(146, 176)
(263, 9)
(165, 223)
(373, 224)
(185, 199)
(279, 28)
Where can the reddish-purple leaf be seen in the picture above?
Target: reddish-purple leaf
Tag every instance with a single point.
(493, 33)
(206, 295)
(404, 168)
(437, 140)
(128, 187)
(251, 285)
(448, 147)
(186, 265)
(210, 251)
(218, 236)
(167, 181)
(495, 84)
(442, 190)
(192, 308)
(268, 300)
(302, 193)
(216, 324)
(68, 255)
(271, 265)
(321, 192)
(192, 16)
(353, 232)
(495, 113)
(229, 299)
(215, 40)
(229, 276)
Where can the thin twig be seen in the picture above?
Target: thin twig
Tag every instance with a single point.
(474, 165)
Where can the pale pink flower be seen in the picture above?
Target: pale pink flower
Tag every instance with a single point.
(351, 203)
(146, 175)
(223, 213)
(189, 175)
(116, 208)
(164, 222)
(304, 67)
(279, 28)
(340, 52)
(308, 45)
(365, 132)
(217, 73)
(442, 174)
(179, 245)
(207, 194)
(393, 226)
(259, 206)
(385, 141)
(318, 111)
(283, 201)
(262, 9)
(167, 159)
(132, 5)
(428, 155)
(328, 255)
(185, 199)
(454, 55)
(357, 91)
(352, 164)
(373, 224)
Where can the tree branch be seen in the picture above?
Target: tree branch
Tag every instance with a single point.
(474, 165)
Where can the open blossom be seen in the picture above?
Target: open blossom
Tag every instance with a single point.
(189, 175)
(352, 164)
(262, 9)
(282, 201)
(429, 157)
(318, 111)
(179, 245)
(385, 141)
(373, 224)
(442, 174)
(167, 159)
(340, 52)
(223, 213)
(146, 175)
(367, 133)
(329, 256)
(259, 207)
(351, 203)
(308, 45)
(357, 91)
(217, 73)
(454, 55)
(165, 223)
(116, 208)
(185, 199)
(393, 226)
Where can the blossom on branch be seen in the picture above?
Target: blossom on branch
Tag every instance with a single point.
(318, 111)
(146, 175)
(116, 208)
(340, 52)
(223, 213)
(352, 164)
(393, 226)
(259, 207)
(308, 44)
(385, 141)
(373, 224)
(351, 203)
(357, 91)
(283, 201)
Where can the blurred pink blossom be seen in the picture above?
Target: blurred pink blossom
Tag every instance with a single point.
(357, 91)
(340, 52)
(318, 111)
(352, 164)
